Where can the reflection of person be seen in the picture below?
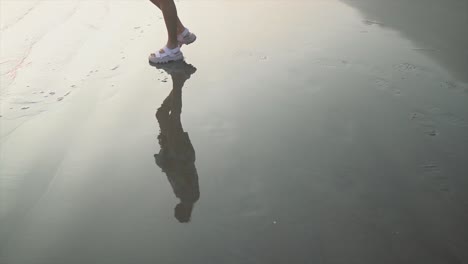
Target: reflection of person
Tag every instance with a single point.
(177, 34)
(177, 155)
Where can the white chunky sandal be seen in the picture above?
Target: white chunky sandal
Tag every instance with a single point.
(186, 37)
(168, 55)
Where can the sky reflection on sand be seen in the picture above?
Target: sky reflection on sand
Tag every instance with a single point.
(322, 134)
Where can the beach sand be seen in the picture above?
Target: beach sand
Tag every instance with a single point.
(324, 132)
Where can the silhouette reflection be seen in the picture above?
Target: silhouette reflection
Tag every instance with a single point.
(177, 155)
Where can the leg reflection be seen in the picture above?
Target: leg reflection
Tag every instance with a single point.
(177, 155)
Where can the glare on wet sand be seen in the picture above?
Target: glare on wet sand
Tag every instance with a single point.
(296, 132)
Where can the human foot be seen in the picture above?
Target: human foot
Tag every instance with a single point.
(166, 55)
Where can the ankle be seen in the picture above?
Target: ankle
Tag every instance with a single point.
(172, 45)
(180, 30)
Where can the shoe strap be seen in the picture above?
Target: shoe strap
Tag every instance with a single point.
(182, 35)
(168, 52)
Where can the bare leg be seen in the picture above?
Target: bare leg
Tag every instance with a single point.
(180, 26)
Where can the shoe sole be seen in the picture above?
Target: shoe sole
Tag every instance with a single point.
(191, 40)
(167, 59)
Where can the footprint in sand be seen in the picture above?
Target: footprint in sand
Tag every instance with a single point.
(63, 97)
(382, 84)
(453, 86)
(448, 85)
(385, 85)
(433, 173)
(34, 104)
(425, 123)
(405, 67)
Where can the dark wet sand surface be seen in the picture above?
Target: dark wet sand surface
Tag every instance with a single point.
(317, 132)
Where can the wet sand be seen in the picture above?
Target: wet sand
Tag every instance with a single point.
(310, 132)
